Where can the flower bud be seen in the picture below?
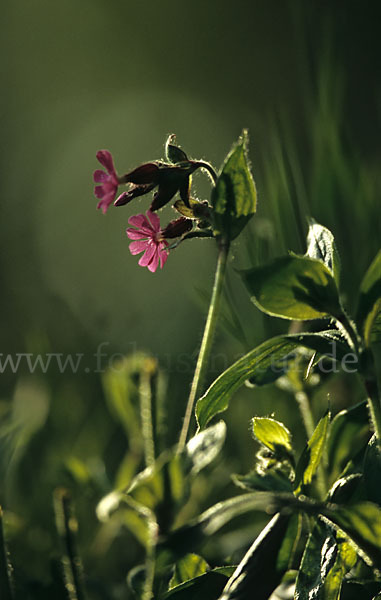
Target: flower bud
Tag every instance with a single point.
(177, 228)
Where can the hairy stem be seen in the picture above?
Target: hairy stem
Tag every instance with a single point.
(348, 328)
(145, 396)
(206, 344)
(374, 402)
(6, 589)
(67, 527)
(305, 412)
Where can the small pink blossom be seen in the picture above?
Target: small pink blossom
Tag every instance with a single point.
(109, 181)
(148, 238)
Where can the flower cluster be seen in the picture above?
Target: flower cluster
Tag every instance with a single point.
(167, 179)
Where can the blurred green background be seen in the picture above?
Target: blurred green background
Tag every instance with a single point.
(78, 76)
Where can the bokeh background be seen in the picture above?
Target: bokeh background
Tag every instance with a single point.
(77, 76)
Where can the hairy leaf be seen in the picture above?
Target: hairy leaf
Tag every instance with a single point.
(260, 366)
(349, 432)
(311, 455)
(273, 480)
(259, 569)
(372, 471)
(362, 523)
(369, 305)
(272, 434)
(234, 197)
(321, 245)
(208, 585)
(325, 561)
(189, 537)
(293, 287)
(205, 446)
(188, 567)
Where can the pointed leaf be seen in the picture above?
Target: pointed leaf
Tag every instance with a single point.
(234, 197)
(260, 366)
(362, 523)
(321, 245)
(311, 455)
(203, 448)
(349, 432)
(272, 434)
(188, 567)
(369, 306)
(325, 562)
(208, 585)
(372, 471)
(293, 287)
(259, 569)
(189, 537)
(272, 481)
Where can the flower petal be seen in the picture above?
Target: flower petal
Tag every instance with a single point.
(105, 158)
(152, 266)
(99, 191)
(163, 257)
(105, 202)
(137, 247)
(154, 219)
(100, 176)
(148, 254)
(141, 222)
(136, 234)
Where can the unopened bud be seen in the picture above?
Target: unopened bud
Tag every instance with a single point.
(177, 228)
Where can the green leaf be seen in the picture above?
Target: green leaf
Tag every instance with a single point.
(260, 366)
(273, 480)
(347, 490)
(121, 391)
(6, 592)
(349, 433)
(369, 306)
(189, 537)
(325, 562)
(205, 446)
(259, 570)
(372, 471)
(234, 197)
(293, 287)
(272, 434)
(321, 245)
(311, 455)
(188, 567)
(362, 523)
(208, 585)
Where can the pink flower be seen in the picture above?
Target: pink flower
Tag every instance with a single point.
(148, 238)
(109, 181)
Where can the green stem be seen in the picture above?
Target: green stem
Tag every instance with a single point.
(348, 328)
(369, 377)
(208, 167)
(206, 344)
(305, 411)
(374, 402)
(6, 592)
(152, 536)
(145, 395)
(67, 527)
